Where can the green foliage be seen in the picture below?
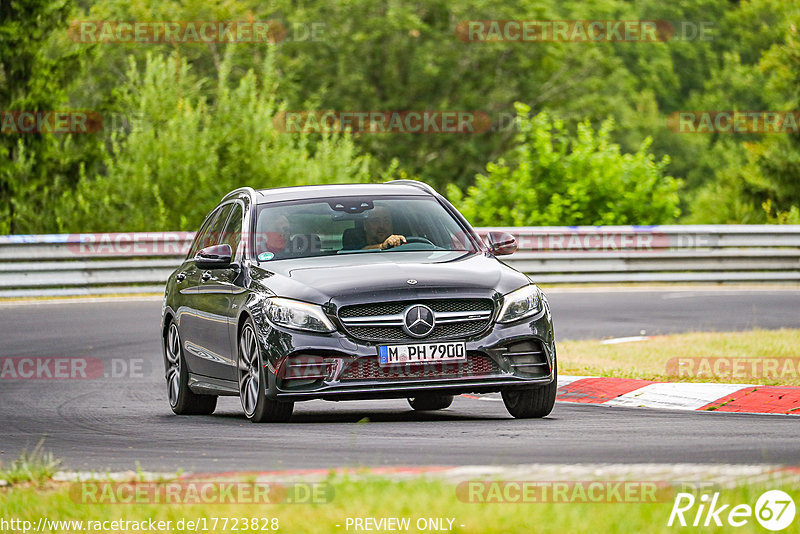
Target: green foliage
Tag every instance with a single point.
(762, 182)
(198, 117)
(404, 55)
(185, 150)
(37, 66)
(555, 178)
(36, 466)
(790, 216)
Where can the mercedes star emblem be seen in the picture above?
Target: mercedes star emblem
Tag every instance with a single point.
(418, 320)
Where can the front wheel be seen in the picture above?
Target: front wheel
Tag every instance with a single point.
(532, 403)
(430, 402)
(252, 382)
(183, 400)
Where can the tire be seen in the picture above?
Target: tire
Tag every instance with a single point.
(430, 402)
(532, 403)
(182, 400)
(252, 382)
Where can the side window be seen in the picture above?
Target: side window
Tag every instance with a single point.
(232, 234)
(214, 236)
(202, 235)
(211, 232)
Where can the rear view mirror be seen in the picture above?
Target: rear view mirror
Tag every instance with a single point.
(501, 243)
(214, 257)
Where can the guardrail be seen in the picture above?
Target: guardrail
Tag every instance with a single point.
(46, 265)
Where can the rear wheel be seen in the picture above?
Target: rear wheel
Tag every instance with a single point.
(532, 403)
(252, 382)
(430, 402)
(182, 400)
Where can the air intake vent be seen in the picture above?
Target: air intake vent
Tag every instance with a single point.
(527, 357)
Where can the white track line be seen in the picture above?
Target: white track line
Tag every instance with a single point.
(618, 340)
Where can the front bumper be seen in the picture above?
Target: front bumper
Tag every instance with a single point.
(497, 370)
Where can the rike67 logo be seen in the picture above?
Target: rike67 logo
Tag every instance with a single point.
(774, 510)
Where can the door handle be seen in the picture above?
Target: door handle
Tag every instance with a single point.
(206, 276)
(181, 277)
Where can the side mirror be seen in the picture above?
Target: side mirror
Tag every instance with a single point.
(214, 257)
(501, 243)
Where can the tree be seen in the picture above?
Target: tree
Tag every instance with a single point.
(37, 66)
(186, 151)
(763, 183)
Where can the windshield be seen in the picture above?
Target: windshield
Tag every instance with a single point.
(354, 225)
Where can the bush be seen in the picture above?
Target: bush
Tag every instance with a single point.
(555, 178)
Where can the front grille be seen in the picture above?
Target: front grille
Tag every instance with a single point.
(383, 321)
(368, 368)
(437, 305)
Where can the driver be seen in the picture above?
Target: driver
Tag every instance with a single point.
(274, 234)
(378, 228)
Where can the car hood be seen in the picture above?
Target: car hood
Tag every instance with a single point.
(382, 275)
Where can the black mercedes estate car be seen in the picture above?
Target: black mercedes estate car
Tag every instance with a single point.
(352, 291)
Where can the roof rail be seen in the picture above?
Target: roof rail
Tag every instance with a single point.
(249, 190)
(414, 183)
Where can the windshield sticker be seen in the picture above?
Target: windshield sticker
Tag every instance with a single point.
(265, 256)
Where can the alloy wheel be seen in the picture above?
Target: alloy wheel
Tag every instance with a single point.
(174, 364)
(249, 370)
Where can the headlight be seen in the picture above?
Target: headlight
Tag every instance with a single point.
(298, 315)
(523, 302)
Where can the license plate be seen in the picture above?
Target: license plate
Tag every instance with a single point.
(427, 352)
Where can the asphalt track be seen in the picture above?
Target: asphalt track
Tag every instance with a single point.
(118, 423)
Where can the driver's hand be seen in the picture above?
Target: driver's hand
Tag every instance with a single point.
(393, 241)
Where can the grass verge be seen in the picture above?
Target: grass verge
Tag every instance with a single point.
(35, 467)
(768, 357)
(376, 498)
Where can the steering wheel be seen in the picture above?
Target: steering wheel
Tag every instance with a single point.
(416, 239)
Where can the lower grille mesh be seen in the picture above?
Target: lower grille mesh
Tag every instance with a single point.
(369, 369)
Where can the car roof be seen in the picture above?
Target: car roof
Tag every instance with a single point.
(303, 192)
